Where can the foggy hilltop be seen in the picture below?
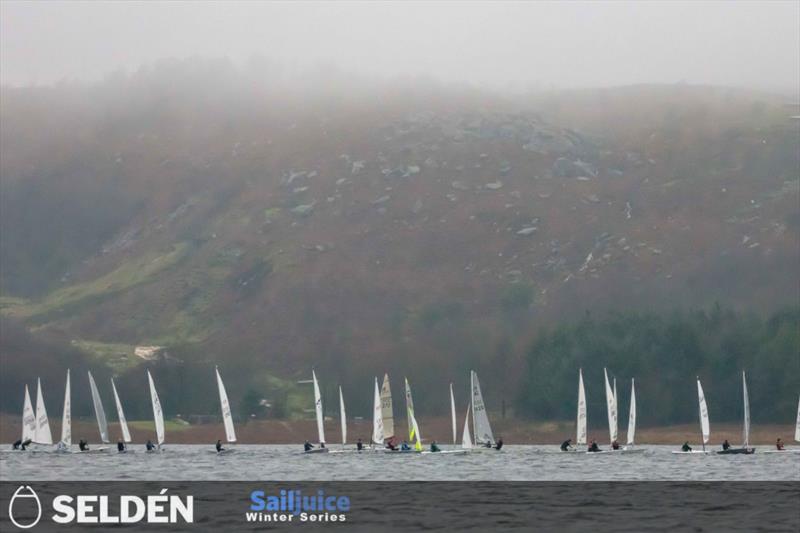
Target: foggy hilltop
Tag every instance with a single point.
(272, 222)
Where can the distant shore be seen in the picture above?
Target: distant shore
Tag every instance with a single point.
(438, 428)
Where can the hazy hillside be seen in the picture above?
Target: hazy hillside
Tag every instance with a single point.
(270, 224)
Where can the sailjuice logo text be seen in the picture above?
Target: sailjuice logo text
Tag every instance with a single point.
(293, 505)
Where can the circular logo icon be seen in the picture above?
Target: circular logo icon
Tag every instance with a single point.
(25, 494)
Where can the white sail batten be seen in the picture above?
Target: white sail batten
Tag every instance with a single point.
(318, 409)
(42, 434)
(612, 409)
(28, 419)
(581, 428)
(705, 426)
(632, 415)
(66, 416)
(377, 417)
(343, 416)
(746, 427)
(386, 408)
(158, 413)
(466, 440)
(99, 412)
(480, 420)
(225, 406)
(453, 413)
(123, 423)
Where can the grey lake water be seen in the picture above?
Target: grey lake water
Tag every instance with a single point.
(282, 462)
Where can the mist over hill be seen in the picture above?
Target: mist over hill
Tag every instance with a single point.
(271, 223)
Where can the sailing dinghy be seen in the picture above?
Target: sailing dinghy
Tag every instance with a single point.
(100, 415)
(705, 428)
(377, 420)
(745, 449)
(453, 414)
(628, 449)
(480, 420)
(387, 412)
(320, 420)
(796, 435)
(343, 424)
(65, 443)
(41, 433)
(413, 427)
(123, 423)
(28, 421)
(158, 415)
(227, 417)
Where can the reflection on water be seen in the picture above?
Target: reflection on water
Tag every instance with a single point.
(517, 463)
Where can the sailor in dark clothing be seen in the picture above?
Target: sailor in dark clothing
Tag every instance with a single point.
(308, 446)
(499, 444)
(566, 445)
(120, 446)
(321, 444)
(359, 445)
(686, 447)
(593, 447)
(390, 445)
(488, 444)
(405, 447)
(435, 447)
(83, 445)
(615, 445)
(219, 446)
(726, 445)
(16, 444)
(149, 445)
(779, 444)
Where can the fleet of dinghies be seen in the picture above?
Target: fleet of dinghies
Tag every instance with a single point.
(36, 435)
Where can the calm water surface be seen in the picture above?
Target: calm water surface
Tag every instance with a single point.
(280, 462)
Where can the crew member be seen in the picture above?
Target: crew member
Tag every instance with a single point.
(566, 445)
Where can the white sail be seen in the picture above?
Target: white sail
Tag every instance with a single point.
(343, 416)
(466, 441)
(66, 417)
(123, 424)
(797, 424)
(413, 427)
(612, 409)
(480, 420)
(581, 431)
(99, 412)
(616, 411)
(158, 413)
(227, 418)
(746, 427)
(377, 417)
(318, 409)
(28, 419)
(453, 413)
(705, 426)
(632, 415)
(386, 408)
(42, 434)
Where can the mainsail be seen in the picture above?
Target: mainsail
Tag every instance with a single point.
(413, 428)
(28, 419)
(611, 405)
(581, 432)
(123, 424)
(632, 415)
(797, 424)
(466, 441)
(377, 417)
(705, 426)
(318, 409)
(158, 413)
(746, 427)
(480, 420)
(453, 413)
(66, 417)
(42, 434)
(227, 418)
(99, 412)
(343, 416)
(386, 408)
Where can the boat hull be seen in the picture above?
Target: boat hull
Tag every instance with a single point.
(737, 451)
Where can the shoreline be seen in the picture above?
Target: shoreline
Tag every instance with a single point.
(435, 428)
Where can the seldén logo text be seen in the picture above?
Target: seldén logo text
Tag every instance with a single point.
(161, 508)
(293, 505)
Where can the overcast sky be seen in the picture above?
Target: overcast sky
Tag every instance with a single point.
(574, 44)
